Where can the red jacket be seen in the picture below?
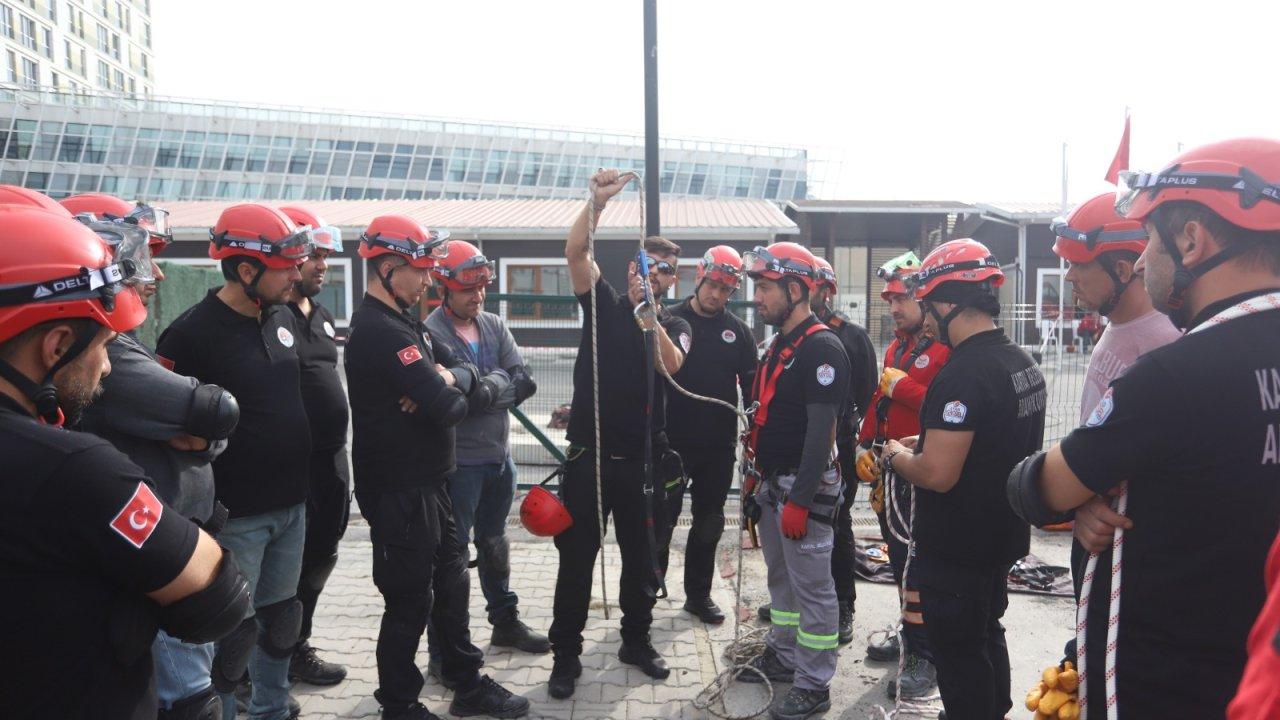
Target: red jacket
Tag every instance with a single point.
(908, 394)
(1259, 695)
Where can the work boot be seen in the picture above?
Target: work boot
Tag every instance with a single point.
(489, 698)
(846, 622)
(245, 690)
(413, 711)
(771, 666)
(918, 679)
(705, 609)
(642, 655)
(799, 704)
(512, 632)
(764, 614)
(306, 666)
(434, 673)
(564, 676)
(886, 650)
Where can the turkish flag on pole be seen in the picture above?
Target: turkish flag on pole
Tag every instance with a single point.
(1121, 161)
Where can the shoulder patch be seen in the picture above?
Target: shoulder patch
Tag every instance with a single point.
(826, 374)
(954, 412)
(685, 341)
(409, 355)
(728, 336)
(139, 517)
(165, 362)
(284, 336)
(922, 362)
(328, 328)
(1101, 411)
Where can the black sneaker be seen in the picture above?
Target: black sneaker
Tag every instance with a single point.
(846, 622)
(764, 614)
(771, 666)
(799, 704)
(416, 711)
(512, 632)
(564, 675)
(643, 656)
(489, 698)
(919, 679)
(886, 650)
(306, 666)
(705, 609)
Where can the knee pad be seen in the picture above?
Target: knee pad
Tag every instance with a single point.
(707, 530)
(232, 656)
(316, 574)
(204, 705)
(281, 623)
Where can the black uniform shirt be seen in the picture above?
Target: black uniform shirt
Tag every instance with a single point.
(1194, 427)
(81, 532)
(994, 389)
(389, 356)
(622, 381)
(322, 393)
(818, 373)
(264, 467)
(721, 359)
(863, 375)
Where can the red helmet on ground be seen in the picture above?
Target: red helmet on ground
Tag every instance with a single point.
(782, 260)
(895, 273)
(323, 235)
(259, 232)
(542, 513)
(963, 260)
(1237, 179)
(111, 208)
(1093, 228)
(722, 264)
(404, 237)
(463, 267)
(15, 195)
(826, 274)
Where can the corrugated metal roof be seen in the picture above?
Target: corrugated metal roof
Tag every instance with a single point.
(882, 206)
(1024, 210)
(676, 214)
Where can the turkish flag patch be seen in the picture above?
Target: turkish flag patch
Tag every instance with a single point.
(139, 517)
(165, 362)
(409, 355)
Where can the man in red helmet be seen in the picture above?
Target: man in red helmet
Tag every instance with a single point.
(407, 395)
(86, 591)
(636, 507)
(911, 362)
(721, 361)
(241, 337)
(329, 491)
(483, 486)
(1192, 429)
(792, 485)
(983, 413)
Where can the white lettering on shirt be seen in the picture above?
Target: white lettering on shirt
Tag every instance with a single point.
(1269, 388)
(1271, 449)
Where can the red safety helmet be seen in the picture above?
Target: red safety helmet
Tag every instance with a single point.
(323, 235)
(826, 274)
(259, 232)
(782, 260)
(404, 237)
(722, 264)
(542, 513)
(1237, 179)
(1094, 228)
(895, 273)
(15, 195)
(963, 260)
(109, 207)
(463, 267)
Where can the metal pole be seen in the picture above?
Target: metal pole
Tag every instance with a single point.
(652, 170)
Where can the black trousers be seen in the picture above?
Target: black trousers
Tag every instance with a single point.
(709, 473)
(624, 499)
(962, 610)
(328, 509)
(419, 568)
(842, 552)
(914, 637)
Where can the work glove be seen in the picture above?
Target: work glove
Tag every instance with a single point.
(889, 379)
(867, 467)
(795, 520)
(484, 396)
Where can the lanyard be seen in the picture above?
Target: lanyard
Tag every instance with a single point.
(1256, 304)
(763, 388)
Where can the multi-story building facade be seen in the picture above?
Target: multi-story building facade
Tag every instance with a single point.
(77, 46)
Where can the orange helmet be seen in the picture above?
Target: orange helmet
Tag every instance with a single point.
(15, 195)
(782, 260)
(463, 267)
(323, 235)
(542, 513)
(963, 260)
(826, 274)
(1094, 228)
(404, 237)
(109, 207)
(259, 232)
(722, 264)
(895, 273)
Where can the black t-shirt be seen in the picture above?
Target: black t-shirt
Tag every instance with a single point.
(81, 532)
(863, 374)
(389, 356)
(993, 388)
(1194, 427)
(622, 381)
(818, 373)
(322, 393)
(721, 359)
(264, 467)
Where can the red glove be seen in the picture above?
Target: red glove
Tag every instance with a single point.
(795, 519)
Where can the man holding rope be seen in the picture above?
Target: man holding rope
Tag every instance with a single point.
(1191, 431)
(637, 509)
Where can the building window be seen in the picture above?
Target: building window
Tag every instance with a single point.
(104, 75)
(104, 40)
(538, 276)
(146, 35)
(30, 73)
(28, 28)
(6, 21)
(11, 72)
(48, 43)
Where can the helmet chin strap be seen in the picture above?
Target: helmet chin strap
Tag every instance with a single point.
(386, 285)
(944, 321)
(1184, 277)
(251, 287)
(44, 395)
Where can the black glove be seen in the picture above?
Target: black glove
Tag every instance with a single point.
(484, 395)
(522, 379)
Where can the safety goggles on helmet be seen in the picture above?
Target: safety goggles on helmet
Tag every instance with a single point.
(922, 277)
(474, 271)
(436, 247)
(328, 237)
(295, 247)
(152, 219)
(101, 283)
(1095, 237)
(1251, 187)
(760, 261)
(130, 246)
(723, 273)
(905, 263)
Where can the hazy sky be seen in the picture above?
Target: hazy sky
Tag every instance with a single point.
(939, 100)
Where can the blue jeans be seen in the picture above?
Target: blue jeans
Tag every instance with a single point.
(182, 669)
(268, 549)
